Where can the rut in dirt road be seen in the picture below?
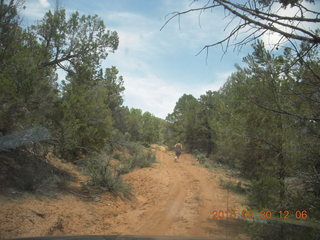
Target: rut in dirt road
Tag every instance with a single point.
(176, 199)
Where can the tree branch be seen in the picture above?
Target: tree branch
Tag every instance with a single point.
(281, 111)
(57, 61)
(264, 21)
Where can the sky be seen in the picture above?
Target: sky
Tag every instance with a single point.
(158, 67)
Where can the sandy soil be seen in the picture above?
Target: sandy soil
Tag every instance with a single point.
(169, 199)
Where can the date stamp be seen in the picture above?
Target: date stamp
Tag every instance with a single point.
(265, 214)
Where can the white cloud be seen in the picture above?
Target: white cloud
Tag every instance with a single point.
(159, 97)
(273, 39)
(220, 79)
(151, 94)
(36, 9)
(197, 29)
(141, 43)
(44, 3)
(139, 39)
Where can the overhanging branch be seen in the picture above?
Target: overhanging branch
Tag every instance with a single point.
(263, 19)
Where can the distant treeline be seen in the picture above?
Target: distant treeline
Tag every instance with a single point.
(264, 121)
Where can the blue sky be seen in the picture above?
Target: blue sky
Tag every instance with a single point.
(158, 67)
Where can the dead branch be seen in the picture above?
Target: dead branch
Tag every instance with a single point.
(260, 19)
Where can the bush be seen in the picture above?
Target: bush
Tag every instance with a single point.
(201, 157)
(263, 193)
(126, 166)
(207, 164)
(133, 148)
(117, 140)
(140, 158)
(105, 176)
(143, 159)
(117, 156)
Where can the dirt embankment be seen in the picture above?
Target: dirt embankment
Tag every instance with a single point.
(169, 199)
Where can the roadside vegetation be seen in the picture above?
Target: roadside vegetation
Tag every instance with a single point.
(264, 122)
(83, 115)
(105, 176)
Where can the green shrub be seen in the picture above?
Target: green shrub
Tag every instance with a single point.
(133, 148)
(201, 157)
(207, 164)
(263, 193)
(126, 166)
(143, 159)
(117, 156)
(117, 140)
(104, 176)
(139, 158)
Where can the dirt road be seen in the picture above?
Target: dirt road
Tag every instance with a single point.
(169, 199)
(177, 199)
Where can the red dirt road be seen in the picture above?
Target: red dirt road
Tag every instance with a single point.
(169, 199)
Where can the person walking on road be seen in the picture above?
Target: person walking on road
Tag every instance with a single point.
(178, 150)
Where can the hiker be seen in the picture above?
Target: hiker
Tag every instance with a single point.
(178, 149)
